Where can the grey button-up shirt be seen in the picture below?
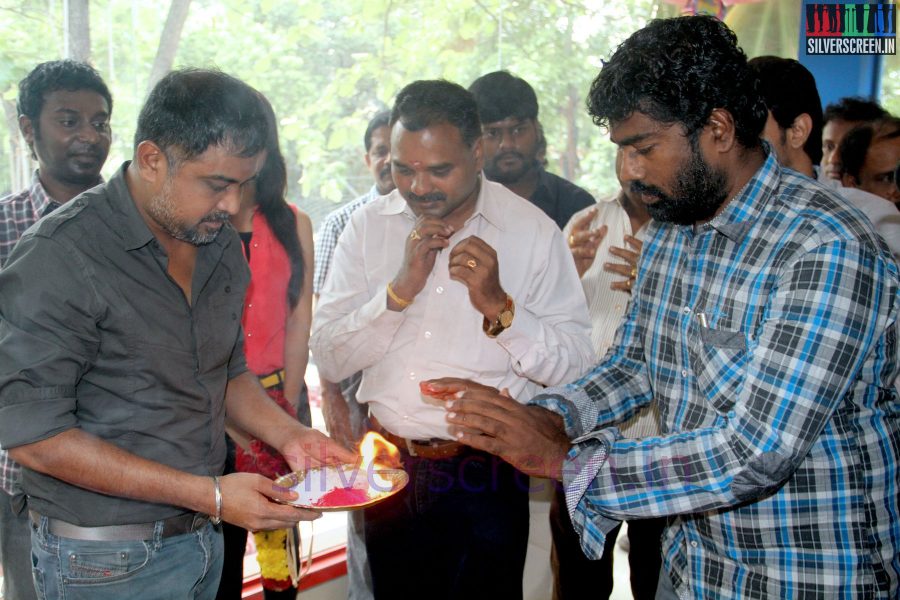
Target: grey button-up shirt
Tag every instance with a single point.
(94, 334)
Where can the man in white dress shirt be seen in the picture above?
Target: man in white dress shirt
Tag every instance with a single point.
(450, 275)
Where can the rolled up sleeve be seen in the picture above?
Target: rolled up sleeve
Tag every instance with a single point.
(48, 337)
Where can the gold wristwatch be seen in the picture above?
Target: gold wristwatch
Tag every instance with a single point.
(503, 320)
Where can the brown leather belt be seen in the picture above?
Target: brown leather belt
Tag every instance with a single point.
(177, 525)
(431, 449)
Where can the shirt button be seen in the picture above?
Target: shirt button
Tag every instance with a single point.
(227, 289)
(234, 316)
(686, 310)
(618, 307)
(684, 372)
(249, 335)
(439, 289)
(693, 544)
(427, 335)
(412, 375)
(406, 417)
(250, 305)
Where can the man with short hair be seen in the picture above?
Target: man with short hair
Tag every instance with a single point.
(119, 363)
(64, 109)
(840, 117)
(764, 324)
(794, 129)
(508, 109)
(344, 416)
(869, 154)
(448, 275)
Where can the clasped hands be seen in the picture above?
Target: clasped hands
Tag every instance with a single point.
(530, 438)
(584, 242)
(472, 262)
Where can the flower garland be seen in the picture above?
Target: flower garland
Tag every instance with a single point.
(271, 553)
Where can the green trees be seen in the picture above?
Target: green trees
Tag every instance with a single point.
(327, 67)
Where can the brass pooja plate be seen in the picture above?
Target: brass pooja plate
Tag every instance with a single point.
(342, 487)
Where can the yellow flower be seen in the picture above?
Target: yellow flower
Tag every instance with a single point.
(271, 553)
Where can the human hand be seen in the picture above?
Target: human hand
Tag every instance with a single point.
(530, 438)
(584, 241)
(251, 501)
(337, 414)
(628, 267)
(429, 236)
(313, 449)
(474, 264)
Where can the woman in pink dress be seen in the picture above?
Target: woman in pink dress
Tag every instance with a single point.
(278, 244)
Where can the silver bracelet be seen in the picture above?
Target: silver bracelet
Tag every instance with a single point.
(217, 519)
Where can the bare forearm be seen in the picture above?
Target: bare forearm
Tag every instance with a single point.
(296, 356)
(82, 459)
(250, 409)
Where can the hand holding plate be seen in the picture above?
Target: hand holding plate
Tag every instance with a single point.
(249, 501)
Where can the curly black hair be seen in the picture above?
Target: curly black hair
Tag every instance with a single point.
(678, 71)
(54, 75)
(425, 103)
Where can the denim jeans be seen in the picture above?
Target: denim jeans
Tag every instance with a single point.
(15, 548)
(180, 567)
(459, 529)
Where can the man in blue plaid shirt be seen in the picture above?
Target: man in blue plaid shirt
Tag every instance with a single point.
(763, 321)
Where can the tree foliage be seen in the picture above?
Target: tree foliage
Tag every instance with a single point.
(328, 67)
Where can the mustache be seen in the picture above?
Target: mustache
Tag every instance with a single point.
(219, 216)
(432, 197)
(92, 151)
(509, 154)
(651, 190)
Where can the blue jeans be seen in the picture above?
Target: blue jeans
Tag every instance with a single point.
(180, 567)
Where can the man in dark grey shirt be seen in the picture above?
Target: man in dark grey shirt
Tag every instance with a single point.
(513, 138)
(121, 353)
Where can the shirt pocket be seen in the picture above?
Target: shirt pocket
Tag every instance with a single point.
(720, 364)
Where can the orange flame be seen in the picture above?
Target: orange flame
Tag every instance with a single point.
(374, 447)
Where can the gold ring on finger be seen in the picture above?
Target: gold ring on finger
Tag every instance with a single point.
(571, 240)
(472, 263)
(414, 235)
(633, 272)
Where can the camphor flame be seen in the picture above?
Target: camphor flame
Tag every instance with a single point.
(371, 448)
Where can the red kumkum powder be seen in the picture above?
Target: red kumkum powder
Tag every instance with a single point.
(342, 497)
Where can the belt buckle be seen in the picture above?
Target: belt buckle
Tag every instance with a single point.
(410, 447)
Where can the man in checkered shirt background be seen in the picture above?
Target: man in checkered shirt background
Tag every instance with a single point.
(763, 322)
(64, 109)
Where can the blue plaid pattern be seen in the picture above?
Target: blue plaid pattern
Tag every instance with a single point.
(768, 337)
(328, 234)
(18, 212)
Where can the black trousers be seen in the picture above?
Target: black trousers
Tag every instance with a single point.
(573, 572)
(459, 530)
